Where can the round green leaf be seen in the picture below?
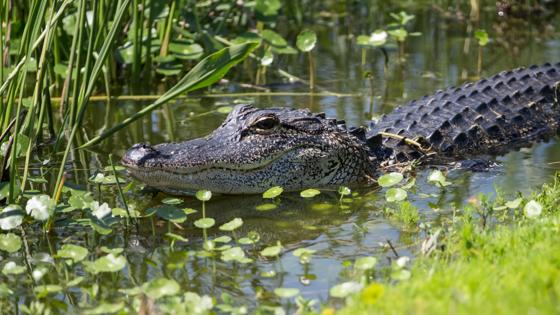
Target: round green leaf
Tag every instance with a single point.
(204, 223)
(11, 268)
(390, 179)
(436, 177)
(11, 217)
(10, 242)
(309, 193)
(234, 253)
(108, 263)
(161, 287)
(345, 289)
(171, 213)
(277, 42)
(74, 252)
(273, 192)
(203, 195)
(395, 194)
(365, 263)
(286, 292)
(306, 40)
(232, 225)
(272, 251)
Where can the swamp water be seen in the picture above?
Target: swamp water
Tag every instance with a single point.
(338, 231)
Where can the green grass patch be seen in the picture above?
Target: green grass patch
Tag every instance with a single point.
(508, 269)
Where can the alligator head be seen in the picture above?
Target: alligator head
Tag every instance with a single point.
(255, 149)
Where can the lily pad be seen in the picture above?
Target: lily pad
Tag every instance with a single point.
(232, 225)
(345, 289)
(73, 252)
(234, 253)
(395, 194)
(365, 263)
(204, 223)
(438, 178)
(10, 242)
(171, 213)
(272, 251)
(273, 192)
(286, 292)
(390, 179)
(309, 193)
(161, 287)
(108, 263)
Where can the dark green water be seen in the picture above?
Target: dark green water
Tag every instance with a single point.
(445, 54)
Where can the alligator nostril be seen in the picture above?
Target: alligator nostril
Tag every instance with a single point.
(138, 154)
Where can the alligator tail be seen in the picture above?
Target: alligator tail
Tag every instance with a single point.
(490, 116)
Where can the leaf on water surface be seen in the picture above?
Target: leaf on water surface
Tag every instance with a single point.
(176, 237)
(438, 178)
(272, 251)
(277, 42)
(161, 287)
(365, 263)
(266, 207)
(395, 194)
(172, 201)
(390, 179)
(232, 225)
(286, 292)
(171, 213)
(11, 217)
(222, 239)
(108, 263)
(234, 253)
(10, 242)
(204, 223)
(345, 289)
(114, 251)
(273, 192)
(11, 268)
(309, 193)
(74, 252)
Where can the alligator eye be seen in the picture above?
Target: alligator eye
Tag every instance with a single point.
(266, 122)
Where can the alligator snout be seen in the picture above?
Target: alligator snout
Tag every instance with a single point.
(138, 154)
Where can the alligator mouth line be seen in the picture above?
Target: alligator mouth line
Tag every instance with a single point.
(147, 170)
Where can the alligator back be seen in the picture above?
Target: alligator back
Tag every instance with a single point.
(490, 116)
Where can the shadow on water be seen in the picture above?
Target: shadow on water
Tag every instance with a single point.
(443, 55)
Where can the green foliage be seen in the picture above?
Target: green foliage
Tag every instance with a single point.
(306, 40)
(482, 37)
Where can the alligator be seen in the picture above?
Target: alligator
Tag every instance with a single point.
(256, 149)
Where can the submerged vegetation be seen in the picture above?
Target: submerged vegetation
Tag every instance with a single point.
(76, 235)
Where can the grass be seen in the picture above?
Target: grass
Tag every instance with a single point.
(509, 269)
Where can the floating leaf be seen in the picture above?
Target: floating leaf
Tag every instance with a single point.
(436, 177)
(303, 251)
(11, 217)
(286, 292)
(273, 192)
(266, 207)
(395, 194)
(161, 287)
(365, 263)
(176, 237)
(203, 195)
(306, 40)
(108, 263)
(390, 179)
(11, 268)
(172, 201)
(74, 252)
(10, 242)
(234, 253)
(345, 289)
(309, 193)
(232, 225)
(272, 251)
(114, 251)
(277, 42)
(171, 213)
(222, 239)
(204, 223)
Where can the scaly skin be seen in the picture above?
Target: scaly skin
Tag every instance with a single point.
(255, 149)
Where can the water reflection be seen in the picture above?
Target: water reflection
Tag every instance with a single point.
(445, 54)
